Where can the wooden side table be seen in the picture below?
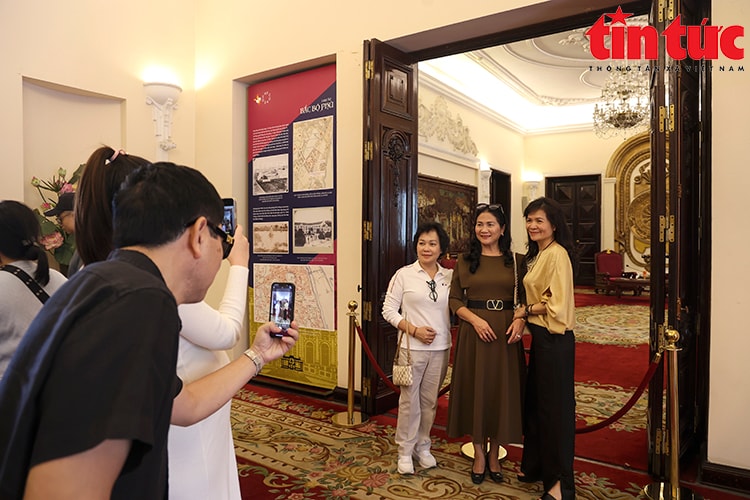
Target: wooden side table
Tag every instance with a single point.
(635, 284)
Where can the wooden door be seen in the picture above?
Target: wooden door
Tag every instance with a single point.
(679, 238)
(500, 193)
(389, 203)
(580, 197)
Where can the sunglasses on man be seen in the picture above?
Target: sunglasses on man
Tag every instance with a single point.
(227, 240)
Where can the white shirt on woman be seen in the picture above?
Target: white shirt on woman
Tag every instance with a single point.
(409, 292)
(202, 461)
(18, 307)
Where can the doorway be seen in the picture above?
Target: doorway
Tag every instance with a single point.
(527, 22)
(580, 197)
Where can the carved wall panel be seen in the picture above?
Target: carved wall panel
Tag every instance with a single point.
(630, 165)
(437, 122)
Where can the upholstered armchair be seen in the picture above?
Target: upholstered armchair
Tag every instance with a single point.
(607, 264)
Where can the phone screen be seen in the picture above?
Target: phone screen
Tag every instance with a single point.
(230, 216)
(282, 305)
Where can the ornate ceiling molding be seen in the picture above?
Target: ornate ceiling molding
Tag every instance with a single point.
(436, 121)
(486, 61)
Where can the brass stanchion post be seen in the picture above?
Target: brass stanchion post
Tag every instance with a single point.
(350, 418)
(672, 490)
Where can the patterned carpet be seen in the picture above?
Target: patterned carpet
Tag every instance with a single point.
(288, 449)
(612, 324)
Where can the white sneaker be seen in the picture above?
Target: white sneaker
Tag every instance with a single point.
(426, 459)
(405, 465)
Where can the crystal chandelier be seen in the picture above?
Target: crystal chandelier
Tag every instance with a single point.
(624, 106)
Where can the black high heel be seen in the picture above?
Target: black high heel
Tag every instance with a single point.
(495, 476)
(478, 477)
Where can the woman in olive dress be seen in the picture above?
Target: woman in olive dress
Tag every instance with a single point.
(488, 369)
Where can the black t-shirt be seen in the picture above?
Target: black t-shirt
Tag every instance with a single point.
(97, 363)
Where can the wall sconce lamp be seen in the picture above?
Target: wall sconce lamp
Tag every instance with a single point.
(163, 99)
(529, 192)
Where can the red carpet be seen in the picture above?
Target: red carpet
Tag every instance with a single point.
(271, 477)
(587, 297)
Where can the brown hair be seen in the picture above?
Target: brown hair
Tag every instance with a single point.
(102, 176)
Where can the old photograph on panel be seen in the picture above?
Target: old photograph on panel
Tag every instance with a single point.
(312, 230)
(271, 237)
(271, 174)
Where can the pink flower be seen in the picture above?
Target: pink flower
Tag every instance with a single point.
(376, 480)
(46, 206)
(66, 188)
(52, 241)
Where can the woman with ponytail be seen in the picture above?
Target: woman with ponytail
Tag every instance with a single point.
(102, 177)
(24, 261)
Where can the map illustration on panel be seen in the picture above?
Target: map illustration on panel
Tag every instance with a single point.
(312, 154)
(314, 300)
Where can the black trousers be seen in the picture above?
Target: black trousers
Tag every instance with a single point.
(549, 410)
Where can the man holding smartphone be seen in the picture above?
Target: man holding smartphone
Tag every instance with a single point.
(89, 395)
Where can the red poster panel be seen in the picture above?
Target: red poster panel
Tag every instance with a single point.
(291, 214)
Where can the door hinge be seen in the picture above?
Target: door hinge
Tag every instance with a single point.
(366, 310)
(368, 150)
(671, 118)
(670, 229)
(662, 118)
(666, 230)
(660, 10)
(665, 10)
(666, 119)
(369, 69)
(367, 230)
(366, 387)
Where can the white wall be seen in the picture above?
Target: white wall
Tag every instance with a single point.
(91, 46)
(102, 46)
(729, 403)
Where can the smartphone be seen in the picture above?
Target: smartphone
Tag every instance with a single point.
(281, 311)
(230, 216)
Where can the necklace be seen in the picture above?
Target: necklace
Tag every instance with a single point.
(546, 246)
(531, 262)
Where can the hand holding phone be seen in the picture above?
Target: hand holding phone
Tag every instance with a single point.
(281, 310)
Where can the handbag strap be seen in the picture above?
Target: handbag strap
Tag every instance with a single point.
(408, 347)
(27, 280)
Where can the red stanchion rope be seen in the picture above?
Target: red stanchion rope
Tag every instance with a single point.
(580, 430)
(622, 411)
(368, 352)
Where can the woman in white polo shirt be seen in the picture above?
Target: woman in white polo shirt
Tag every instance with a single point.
(417, 303)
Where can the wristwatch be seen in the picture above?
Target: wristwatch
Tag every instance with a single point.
(255, 358)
